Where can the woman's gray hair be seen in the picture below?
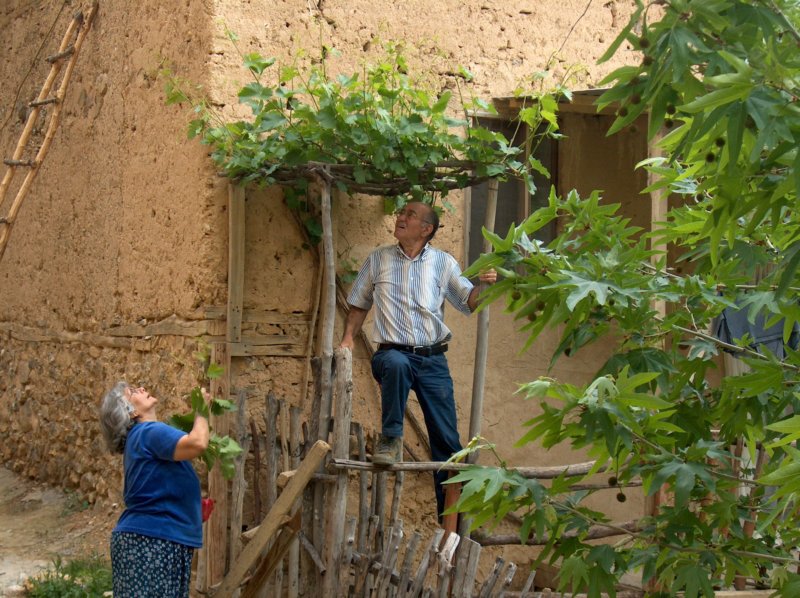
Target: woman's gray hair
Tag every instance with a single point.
(115, 417)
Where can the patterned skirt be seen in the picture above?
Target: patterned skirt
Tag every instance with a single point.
(144, 567)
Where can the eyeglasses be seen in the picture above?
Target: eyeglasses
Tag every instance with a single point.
(411, 214)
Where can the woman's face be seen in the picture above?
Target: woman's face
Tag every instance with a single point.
(143, 403)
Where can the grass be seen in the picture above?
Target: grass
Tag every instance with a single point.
(81, 578)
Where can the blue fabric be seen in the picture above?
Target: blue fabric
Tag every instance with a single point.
(144, 567)
(409, 294)
(429, 377)
(734, 324)
(162, 496)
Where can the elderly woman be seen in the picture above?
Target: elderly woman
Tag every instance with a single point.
(153, 543)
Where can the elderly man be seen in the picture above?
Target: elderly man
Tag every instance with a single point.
(407, 284)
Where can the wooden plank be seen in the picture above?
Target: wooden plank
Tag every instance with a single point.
(216, 557)
(312, 552)
(466, 568)
(397, 493)
(285, 462)
(389, 560)
(528, 585)
(236, 255)
(362, 574)
(273, 519)
(363, 485)
(445, 560)
(200, 583)
(509, 577)
(337, 498)
(408, 561)
(379, 506)
(239, 486)
(422, 570)
(488, 585)
(273, 558)
(29, 334)
(170, 326)
(256, 316)
(345, 568)
(254, 435)
(270, 444)
(266, 346)
(293, 569)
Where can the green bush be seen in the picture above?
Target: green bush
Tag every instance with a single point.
(81, 578)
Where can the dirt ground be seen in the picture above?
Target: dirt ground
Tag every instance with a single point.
(38, 523)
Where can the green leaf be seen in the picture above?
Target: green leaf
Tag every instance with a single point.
(257, 63)
(441, 103)
(214, 371)
(716, 98)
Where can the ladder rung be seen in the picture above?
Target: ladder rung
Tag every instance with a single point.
(8, 162)
(60, 55)
(35, 103)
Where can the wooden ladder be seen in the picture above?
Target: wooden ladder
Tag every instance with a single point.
(67, 55)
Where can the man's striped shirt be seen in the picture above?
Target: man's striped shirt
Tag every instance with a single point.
(408, 294)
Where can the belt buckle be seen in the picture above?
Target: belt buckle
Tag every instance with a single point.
(422, 350)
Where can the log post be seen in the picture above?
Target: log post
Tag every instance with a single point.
(337, 499)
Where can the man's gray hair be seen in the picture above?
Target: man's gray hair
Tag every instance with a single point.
(115, 417)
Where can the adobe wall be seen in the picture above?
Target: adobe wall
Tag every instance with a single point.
(123, 225)
(502, 43)
(126, 223)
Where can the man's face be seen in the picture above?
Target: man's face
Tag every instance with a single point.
(413, 223)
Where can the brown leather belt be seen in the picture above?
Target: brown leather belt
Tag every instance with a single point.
(418, 350)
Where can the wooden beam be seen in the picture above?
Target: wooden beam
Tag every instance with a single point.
(273, 557)
(236, 254)
(249, 349)
(216, 551)
(541, 473)
(255, 316)
(273, 520)
(171, 325)
(46, 335)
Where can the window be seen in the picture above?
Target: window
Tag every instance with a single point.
(514, 203)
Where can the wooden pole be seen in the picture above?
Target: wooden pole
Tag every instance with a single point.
(326, 345)
(482, 345)
(274, 519)
(329, 308)
(481, 353)
(337, 510)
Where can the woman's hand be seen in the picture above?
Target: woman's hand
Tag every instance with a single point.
(195, 442)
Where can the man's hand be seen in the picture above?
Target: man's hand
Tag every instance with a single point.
(489, 276)
(352, 325)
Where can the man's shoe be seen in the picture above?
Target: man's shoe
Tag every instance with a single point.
(389, 451)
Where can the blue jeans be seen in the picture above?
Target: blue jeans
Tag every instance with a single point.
(429, 377)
